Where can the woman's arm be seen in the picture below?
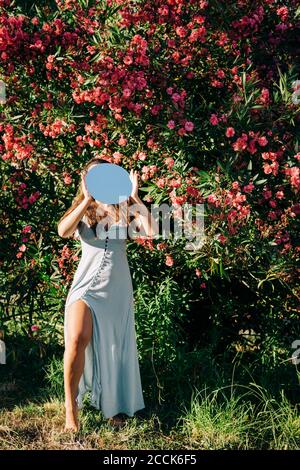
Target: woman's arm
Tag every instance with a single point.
(148, 226)
(69, 224)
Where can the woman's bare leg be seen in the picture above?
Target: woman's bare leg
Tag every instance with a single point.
(79, 334)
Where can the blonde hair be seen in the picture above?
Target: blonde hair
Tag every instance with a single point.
(91, 211)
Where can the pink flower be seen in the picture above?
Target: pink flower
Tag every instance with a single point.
(155, 109)
(198, 272)
(269, 156)
(122, 141)
(127, 60)
(211, 199)
(296, 209)
(171, 124)
(220, 73)
(192, 191)
(181, 131)
(230, 132)
(251, 147)
(283, 13)
(294, 174)
(181, 32)
(117, 157)
(267, 194)
(176, 97)
(126, 92)
(169, 162)
(179, 199)
(241, 143)
(169, 260)
(214, 119)
(203, 285)
(217, 84)
(264, 97)
(248, 188)
(161, 246)
(272, 215)
(141, 156)
(161, 182)
(297, 156)
(273, 168)
(27, 229)
(222, 239)
(35, 328)
(279, 195)
(175, 183)
(22, 248)
(67, 179)
(262, 141)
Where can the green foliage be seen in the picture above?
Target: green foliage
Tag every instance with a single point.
(160, 307)
(209, 119)
(54, 377)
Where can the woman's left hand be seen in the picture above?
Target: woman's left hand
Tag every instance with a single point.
(134, 179)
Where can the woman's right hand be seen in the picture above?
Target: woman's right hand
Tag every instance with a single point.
(84, 189)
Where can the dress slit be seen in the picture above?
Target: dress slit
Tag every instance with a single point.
(89, 380)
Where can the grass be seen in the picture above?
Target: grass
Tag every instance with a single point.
(40, 426)
(212, 421)
(204, 405)
(214, 424)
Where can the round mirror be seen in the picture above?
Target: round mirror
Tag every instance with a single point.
(108, 183)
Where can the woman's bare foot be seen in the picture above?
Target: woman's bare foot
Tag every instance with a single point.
(71, 418)
(116, 421)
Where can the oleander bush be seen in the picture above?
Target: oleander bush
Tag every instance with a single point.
(202, 98)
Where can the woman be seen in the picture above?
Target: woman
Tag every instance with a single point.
(100, 340)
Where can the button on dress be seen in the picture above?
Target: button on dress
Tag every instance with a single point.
(103, 281)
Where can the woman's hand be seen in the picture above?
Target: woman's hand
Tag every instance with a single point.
(147, 224)
(84, 189)
(134, 179)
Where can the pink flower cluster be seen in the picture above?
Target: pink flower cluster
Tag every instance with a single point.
(57, 128)
(148, 172)
(248, 142)
(233, 205)
(293, 174)
(22, 199)
(15, 148)
(271, 165)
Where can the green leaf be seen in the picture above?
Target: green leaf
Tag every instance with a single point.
(146, 189)
(260, 182)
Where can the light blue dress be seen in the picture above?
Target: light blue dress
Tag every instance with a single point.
(103, 281)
